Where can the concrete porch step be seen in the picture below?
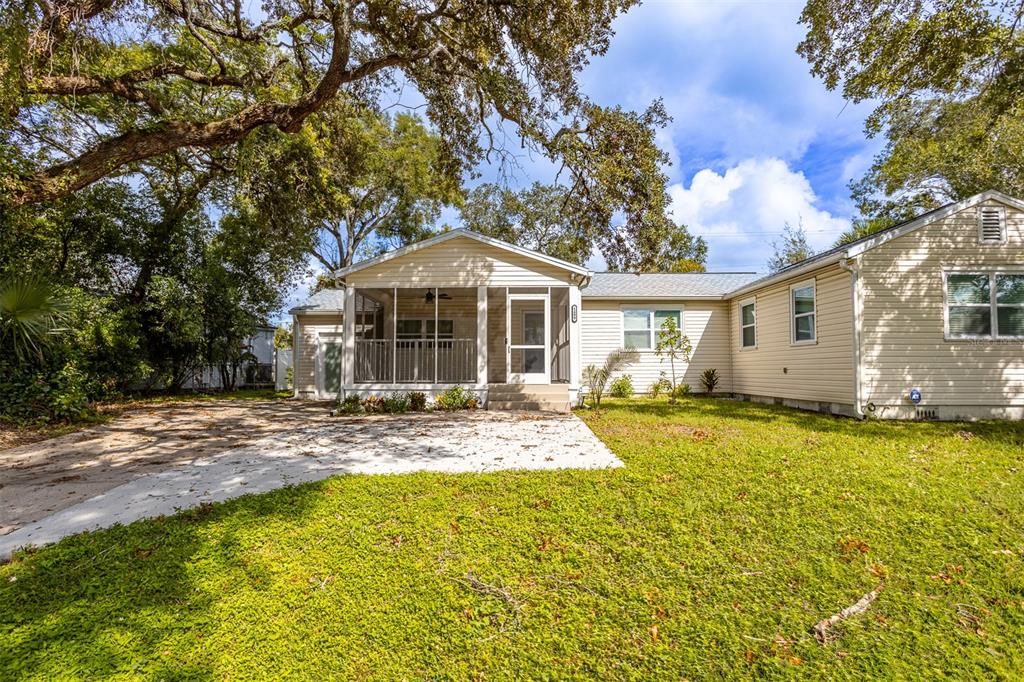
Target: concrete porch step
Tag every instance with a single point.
(528, 406)
(528, 397)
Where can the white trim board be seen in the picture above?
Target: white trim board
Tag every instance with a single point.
(463, 232)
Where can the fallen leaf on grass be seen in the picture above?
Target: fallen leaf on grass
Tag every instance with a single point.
(853, 545)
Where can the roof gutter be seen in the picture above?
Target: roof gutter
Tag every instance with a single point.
(810, 266)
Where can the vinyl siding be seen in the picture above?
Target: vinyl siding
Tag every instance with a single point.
(903, 341)
(704, 322)
(460, 262)
(818, 372)
(310, 328)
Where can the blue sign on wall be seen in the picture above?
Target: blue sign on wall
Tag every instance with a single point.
(915, 396)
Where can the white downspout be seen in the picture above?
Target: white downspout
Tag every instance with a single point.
(853, 267)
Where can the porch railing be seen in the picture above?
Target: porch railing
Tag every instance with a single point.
(413, 361)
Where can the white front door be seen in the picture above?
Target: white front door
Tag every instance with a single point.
(528, 347)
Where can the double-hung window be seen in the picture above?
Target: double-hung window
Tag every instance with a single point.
(748, 323)
(803, 309)
(984, 305)
(640, 326)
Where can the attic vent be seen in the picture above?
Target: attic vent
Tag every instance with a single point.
(991, 225)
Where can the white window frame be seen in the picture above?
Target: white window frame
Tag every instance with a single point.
(743, 304)
(813, 284)
(1002, 228)
(651, 329)
(993, 303)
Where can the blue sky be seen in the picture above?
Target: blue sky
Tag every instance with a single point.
(755, 140)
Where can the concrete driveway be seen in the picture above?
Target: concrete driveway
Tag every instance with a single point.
(156, 461)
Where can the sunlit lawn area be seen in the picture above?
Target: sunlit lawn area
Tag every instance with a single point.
(731, 531)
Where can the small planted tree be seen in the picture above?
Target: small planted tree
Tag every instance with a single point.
(596, 377)
(675, 345)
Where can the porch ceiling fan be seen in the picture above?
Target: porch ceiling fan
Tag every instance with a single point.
(429, 298)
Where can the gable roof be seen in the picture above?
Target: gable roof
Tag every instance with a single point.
(469, 234)
(665, 284)
(855, 248)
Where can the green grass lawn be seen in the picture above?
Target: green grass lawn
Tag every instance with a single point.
(732, 530)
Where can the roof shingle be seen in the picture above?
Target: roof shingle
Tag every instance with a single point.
(665, 284)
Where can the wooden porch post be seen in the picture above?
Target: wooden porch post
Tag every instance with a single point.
(348, 364)
(481, 335)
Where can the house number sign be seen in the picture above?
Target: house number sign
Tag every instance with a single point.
(574, 313)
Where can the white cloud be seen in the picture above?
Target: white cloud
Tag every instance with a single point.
(733, 83)
(744, 209)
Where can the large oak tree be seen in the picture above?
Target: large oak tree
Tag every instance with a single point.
(92, 87)
(946, 77)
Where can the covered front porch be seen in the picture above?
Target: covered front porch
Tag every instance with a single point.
(434, 337)
(460, 309)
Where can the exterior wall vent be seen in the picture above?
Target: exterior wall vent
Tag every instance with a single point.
(926, 414)
(991, 225)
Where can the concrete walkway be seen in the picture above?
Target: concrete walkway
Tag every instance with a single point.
(466, 442)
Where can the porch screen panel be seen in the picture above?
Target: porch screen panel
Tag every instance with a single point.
(527, 330)
(373, 343)
(456, 335)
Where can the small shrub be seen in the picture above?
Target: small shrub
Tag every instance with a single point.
(622, 387)
(456, 398)
(596, 378)
(417, 401)
(352, 404)
(709, 379)
(396, 403)
(680, 391)
(373, 404)
(662, 385)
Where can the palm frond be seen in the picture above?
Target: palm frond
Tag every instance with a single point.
(31, 313)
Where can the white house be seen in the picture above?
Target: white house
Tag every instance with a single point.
(923, 320)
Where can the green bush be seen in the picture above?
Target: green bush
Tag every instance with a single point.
(396, 403)
(418, 401)
(352, 404)
(662, 385)
(709, 379)
(622, 387)
(681, 391)
(45, 394)
(456, 398)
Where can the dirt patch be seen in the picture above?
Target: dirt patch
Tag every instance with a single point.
(52, 473)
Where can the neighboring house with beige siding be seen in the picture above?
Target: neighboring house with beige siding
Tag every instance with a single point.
(923, 320)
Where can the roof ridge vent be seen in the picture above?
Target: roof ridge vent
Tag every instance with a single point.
(991, 225)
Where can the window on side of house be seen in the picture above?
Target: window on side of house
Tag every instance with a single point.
(640, 326)
(748, 323)
(1010, 305)
(803, 308)
(984, 305)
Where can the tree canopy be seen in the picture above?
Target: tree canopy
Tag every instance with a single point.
(552, 220)
(93, 87)
(947, 77)
(362, 181)
(791, 248)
